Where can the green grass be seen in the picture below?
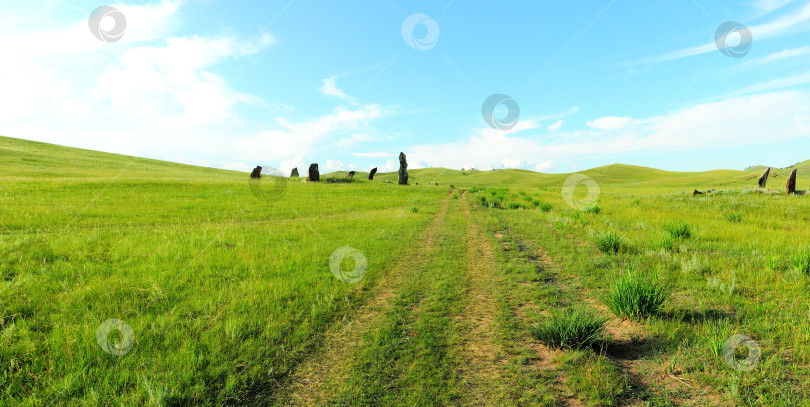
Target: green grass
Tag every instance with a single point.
(610, 242)
(228, 293)
(678, 230)
(571, 329)
(800, 261)
(225, 292)
(636, 296)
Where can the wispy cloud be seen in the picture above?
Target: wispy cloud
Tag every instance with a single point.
(740, 121)
(790, 23)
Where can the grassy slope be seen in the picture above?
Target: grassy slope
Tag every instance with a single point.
(226, 293)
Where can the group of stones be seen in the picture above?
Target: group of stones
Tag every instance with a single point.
(763, 180)
(315, 175)
(791, 182)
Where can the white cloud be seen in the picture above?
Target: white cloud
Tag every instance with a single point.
(329, 88)
(373, 154)
(513, 163)
(787, 24)
(544, 166)
(299, 138)
(610, 123)
(781, 55)
(556, 126)
(769, 6)
(746, 120)
(333, 165)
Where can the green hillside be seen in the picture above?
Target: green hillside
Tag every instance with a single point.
(231, 291)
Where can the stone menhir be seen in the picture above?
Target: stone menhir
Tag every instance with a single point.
(403, 169)
(294, 173)
(314, 175)
(371, 174)
(763, 179)
(351, 174)
(257, 172)
(791, 184)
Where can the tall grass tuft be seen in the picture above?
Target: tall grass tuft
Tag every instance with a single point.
(574, 329)
(609, 242)
(636, 297)
(678, 230)
(800, 261)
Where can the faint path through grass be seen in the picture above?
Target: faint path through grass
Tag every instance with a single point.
(323, 373)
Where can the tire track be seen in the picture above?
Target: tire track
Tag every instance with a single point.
(329, 366)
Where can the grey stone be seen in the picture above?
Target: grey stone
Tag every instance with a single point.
(257, 172)
(314, 174)
(403, 169)
(294, 172)
(371, 174)
(763, 179)
(791, 184)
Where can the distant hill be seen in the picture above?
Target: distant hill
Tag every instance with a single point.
(26, 160)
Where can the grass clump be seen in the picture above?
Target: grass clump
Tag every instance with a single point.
(609, 242)
(594, 209)
(595, 379)
(733, 217)
(574, 329)
(545, 207)
(800, 261)
(636, 297)
(678, 230)
(415, 209)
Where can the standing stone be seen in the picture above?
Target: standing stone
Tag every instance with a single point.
(294, 173)
(314, 175)
(763, 179)
(351, 174)
(257, 172)
(791, 184)
(403, 169)
(371, 174)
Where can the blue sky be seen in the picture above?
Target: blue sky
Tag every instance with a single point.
(286, 83)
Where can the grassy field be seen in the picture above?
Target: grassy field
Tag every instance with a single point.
(229, 292)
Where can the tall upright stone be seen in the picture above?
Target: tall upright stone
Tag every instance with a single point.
(791, 184)
(403, 169)
(763, 179)
(371, 174)
(257, 172)
(314, 174)
(294, 173)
